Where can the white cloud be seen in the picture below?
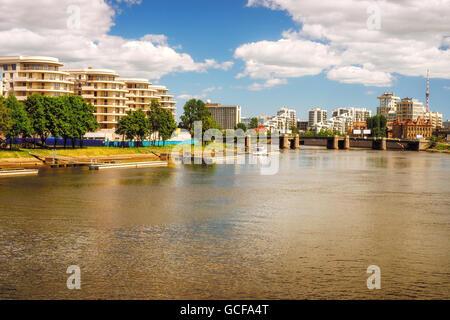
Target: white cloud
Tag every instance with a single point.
(335, 36)
(190, 96)
(77, 32)
(447, 87)
(352, 74)
(266, 85)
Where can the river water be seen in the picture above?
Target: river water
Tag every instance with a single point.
(226, 231)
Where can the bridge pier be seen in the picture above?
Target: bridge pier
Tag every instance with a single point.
(333, 143)
(284, 142)
(379, 144)
(296, 143)
(347, 143)
(247, 143)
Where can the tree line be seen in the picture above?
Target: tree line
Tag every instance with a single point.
(67, 116)
(155, 123)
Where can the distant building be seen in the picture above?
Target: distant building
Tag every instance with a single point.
(357, 114)
(446, 124)
(302, 125)
(435, 118)
(226, 116)
(411, 130)
(316, 115)
(410, 109)
(388, 106)
(289, 116)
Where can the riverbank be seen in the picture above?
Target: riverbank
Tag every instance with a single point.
(32, 158)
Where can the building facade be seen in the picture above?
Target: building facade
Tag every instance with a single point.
(435, 118)
(225, 116)
(25, 75)
(316, 115)
(357, 114)
(412, 129)
(102, 89)
(410, 109)
(388, 105)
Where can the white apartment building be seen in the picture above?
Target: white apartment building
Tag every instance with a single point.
(339, 123)
(388, 105)
(435, 118)
(357, 114)
(25, 75)
(283, 121)
(316, 115)
(110, 95)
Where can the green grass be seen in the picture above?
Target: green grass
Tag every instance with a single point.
(442, 146)
(7, 154)
(99, 151)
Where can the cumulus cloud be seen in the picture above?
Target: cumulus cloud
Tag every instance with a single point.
(341, 39)
(77, 32)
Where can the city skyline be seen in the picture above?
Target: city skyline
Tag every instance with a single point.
(221, 50)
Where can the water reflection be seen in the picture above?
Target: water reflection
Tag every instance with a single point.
(225, 231)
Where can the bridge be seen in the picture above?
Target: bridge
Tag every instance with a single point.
(345, 143)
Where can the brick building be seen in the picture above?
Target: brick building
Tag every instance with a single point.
(411, 130)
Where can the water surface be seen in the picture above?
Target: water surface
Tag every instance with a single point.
(225, 231)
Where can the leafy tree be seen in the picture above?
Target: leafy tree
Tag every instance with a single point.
(140, 124)
(5, 117)
(38, 108)
(294, 129)
(83, 118)
(20, 123)
(253, 123)
(125, 127)
(167, 124)
(242, 126)
(377, 124)
(195, 110)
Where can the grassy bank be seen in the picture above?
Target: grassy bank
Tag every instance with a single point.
(93, 151)
(100, 151)
(6, 154)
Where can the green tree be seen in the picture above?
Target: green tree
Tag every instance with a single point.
(242, 126)
(5, 117)
(377, 124)
(167, 124)
(83, 118)
(125, 127)
(253, 123)
(195, 110)
(19, 122)
(141, 125)
(38, 108)
(294, 129)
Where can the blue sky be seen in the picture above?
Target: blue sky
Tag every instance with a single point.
(260, 54)
(215, 28)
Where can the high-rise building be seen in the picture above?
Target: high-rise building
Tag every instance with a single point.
(316, 115)
(388, 106)
(25, 75)
(410, 109)
(225, 116)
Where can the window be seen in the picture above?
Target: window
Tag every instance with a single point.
(5, 67)
(13, 66)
